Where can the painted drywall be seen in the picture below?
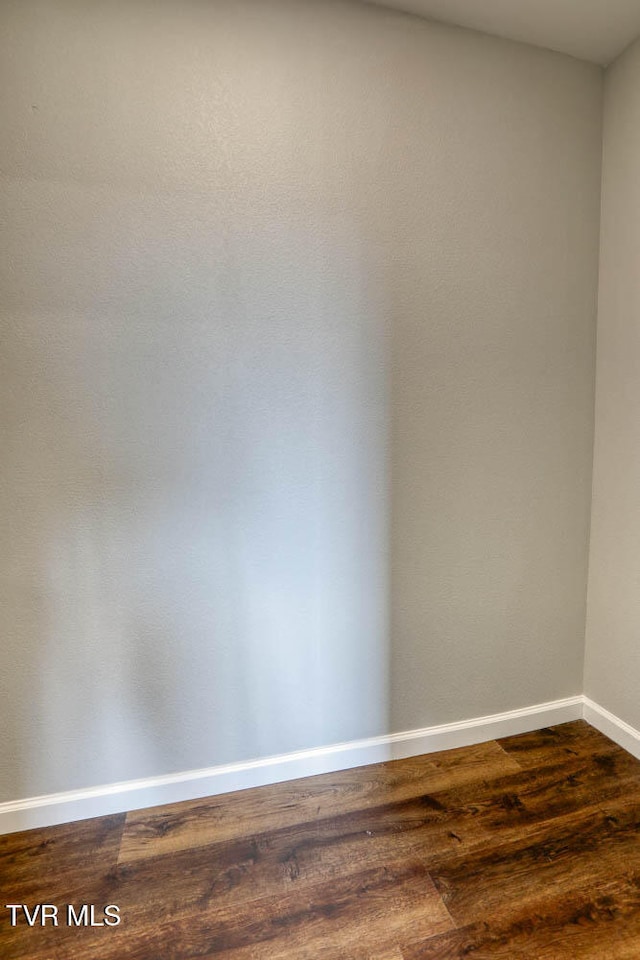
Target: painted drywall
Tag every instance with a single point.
(612, 663)
(597, 30)
(296, 388)
(493, 306)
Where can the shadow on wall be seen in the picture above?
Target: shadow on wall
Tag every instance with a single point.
(193, 394)
(197, 494)
(217, 214)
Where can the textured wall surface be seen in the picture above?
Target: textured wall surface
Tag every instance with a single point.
(612, 667)
(493, 305)
(296, 387)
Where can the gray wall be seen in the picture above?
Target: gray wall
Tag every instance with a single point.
(296, 388)
(612, 667)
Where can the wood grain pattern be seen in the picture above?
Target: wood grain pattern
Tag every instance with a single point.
(196, 823)
(567, 741)
(71, 863)
(522, 849)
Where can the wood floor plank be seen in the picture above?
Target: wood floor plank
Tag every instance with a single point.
(525, 849)
(583, 853)
(550, 744)
(292, 859)
(515, 806)
(196, 823)
(71, 857)
(602, 926)
(351, 918)
(434, 827)
(71, 863)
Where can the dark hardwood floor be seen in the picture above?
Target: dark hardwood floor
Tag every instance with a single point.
(525, 848)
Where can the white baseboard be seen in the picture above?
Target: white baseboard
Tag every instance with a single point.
(613, 727)
(112, 798)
